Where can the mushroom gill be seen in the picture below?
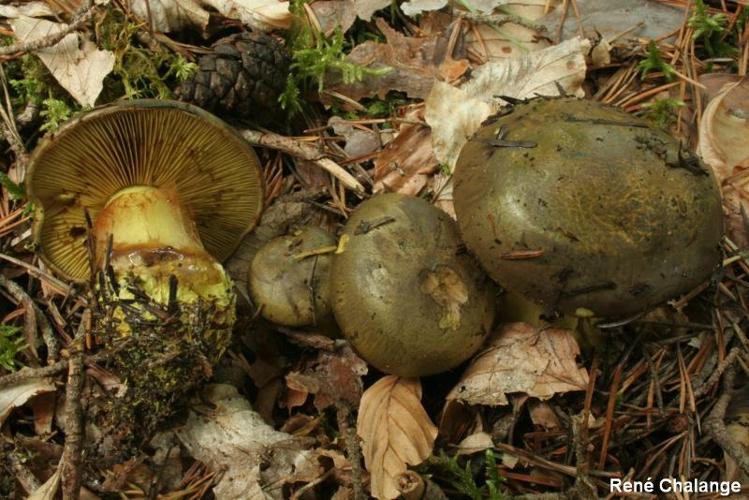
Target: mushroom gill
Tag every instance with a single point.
(142, 143)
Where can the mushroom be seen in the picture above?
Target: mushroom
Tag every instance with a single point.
(574, 204)
(406, 295)
(290, 275)
(170, 190)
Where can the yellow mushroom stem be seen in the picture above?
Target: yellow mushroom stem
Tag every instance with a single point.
(153, 242)
(145, 217)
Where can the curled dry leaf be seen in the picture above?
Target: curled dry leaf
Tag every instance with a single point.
(456, 113)
(17, 395)
(76, 64)
(521, 358)
(475, 443)
(333, 377)
(542, 414)
(47, 491)
(405, 164)
(723, 145)
(332, 14)
(395, 431)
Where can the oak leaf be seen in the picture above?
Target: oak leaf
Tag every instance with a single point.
(520, 358)
(395, 431)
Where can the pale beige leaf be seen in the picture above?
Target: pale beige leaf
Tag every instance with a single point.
(171, 15)
(395, 431)
(724, 146)
(77, 65)
(475, 443)
(365, 8)
(47, 491)
(228, 436)
(520, 358)
(264, 15)
(30, 9)
(456, 113)
(416, 7)
(176, 15)
(17, 395)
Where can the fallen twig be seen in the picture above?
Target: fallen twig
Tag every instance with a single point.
(71, 455)
(715, 426)
(353, 450)
(305, 151)
(18, 49)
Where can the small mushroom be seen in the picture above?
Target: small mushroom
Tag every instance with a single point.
(170, 190)
(289, 278)
(574, 204)
(406, 295)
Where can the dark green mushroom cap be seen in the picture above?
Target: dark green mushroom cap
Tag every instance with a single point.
(156, 143)
(289, 278)
(584, 205)
(404, 292)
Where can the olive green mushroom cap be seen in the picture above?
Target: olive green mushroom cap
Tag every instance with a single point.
(289, 278)
(583, 205)
(406, 295)
(164, 144)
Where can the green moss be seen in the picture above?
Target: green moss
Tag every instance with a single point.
(139, 72)
(11, 343)
(317, 59)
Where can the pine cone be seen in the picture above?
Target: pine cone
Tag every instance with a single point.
(242, 77)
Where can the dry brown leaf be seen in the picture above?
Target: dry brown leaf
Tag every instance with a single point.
(359, 142)
(542, 414)
(333, 377)
(456, 113)
(414, 62)
(520, 358)
(47, 491)
(405, 164)
(723, 145)
(76, 64)
(332, 14)
(395, 431)
(475, 443)
(17, 395)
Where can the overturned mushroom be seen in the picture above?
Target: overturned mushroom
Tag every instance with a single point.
(170, 190)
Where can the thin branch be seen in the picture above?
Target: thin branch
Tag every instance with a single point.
(21, 48)
(306, 151)
(715, 426)
(71, 455)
